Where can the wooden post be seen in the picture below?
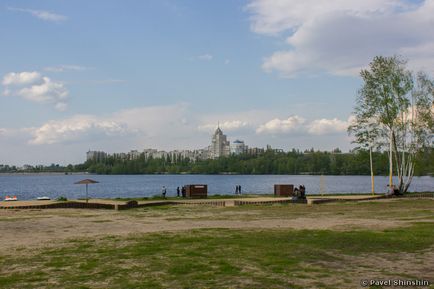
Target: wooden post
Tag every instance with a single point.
(372, 171)
(321, 185)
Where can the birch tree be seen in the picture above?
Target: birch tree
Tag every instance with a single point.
(394, 110)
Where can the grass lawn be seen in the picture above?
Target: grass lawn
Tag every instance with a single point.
(237, 258)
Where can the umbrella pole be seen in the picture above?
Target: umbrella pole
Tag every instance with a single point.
(87, 199)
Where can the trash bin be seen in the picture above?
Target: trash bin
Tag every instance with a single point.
(196, 191)
(283, 190)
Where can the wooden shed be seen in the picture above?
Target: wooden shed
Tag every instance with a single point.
(283, 190)
(196, 191)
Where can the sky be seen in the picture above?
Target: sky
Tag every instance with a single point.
(127, 75)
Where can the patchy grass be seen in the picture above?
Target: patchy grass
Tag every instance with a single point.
(230, 258)
(397, 209)
(212, 258)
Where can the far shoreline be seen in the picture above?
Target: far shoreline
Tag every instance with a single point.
(45, 173)
(181, 174)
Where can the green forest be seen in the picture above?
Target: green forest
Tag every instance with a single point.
(270, 162)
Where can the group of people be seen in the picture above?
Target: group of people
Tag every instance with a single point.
(300, 192)
(392, 191)
(238, 190)
(179, 192)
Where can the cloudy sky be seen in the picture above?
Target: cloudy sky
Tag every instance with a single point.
(120, 75)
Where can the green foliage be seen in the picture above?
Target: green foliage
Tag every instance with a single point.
(270, 162)
(394, 109)
(293, 162)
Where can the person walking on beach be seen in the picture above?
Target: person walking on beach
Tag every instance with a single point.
(177, 192)
(163, 192)
(239, 189)
(236, 190)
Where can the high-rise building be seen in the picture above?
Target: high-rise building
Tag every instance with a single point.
(96, 155)
(219, 145)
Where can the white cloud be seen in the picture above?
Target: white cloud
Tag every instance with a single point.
(342, 36)
(231, 125)
(62, 68)
(37, 88)
(274, 16)
(75, 128)
(279, 126)
(138, 124)
(42, 14)
(205, 57)
(46, 91)
(298, 125)
(327, 126)
(20, 78)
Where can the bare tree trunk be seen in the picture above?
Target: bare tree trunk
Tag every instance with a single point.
(390, 162)
(409, 172)
(398, 163)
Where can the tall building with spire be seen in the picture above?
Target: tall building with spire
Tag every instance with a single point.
(219, 145)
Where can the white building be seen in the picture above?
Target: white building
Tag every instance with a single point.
(133, 155)
(238, 147)
(96, 155)
(219, 145)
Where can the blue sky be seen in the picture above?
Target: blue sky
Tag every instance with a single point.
(121, 75)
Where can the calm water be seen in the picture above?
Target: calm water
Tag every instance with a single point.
(27, 187)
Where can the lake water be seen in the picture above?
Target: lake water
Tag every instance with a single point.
(27, 187)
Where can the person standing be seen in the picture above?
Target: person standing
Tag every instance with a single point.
(239, 189)
(236, 190)
(302, 192)
(183, 191)
(163, 192)
(177, 192)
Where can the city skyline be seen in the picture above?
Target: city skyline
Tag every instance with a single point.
(164, 73)
(220, 146)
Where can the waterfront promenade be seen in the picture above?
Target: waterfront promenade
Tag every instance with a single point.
(224, 202)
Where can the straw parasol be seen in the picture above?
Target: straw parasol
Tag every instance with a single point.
(86, 182)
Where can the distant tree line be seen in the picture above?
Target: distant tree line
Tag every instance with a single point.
(53, 168)
(270, 162)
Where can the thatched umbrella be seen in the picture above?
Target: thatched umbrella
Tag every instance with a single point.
(86, 182)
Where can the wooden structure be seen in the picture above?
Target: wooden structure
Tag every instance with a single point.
(196, 191)
(283, 190)
(86, 182)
